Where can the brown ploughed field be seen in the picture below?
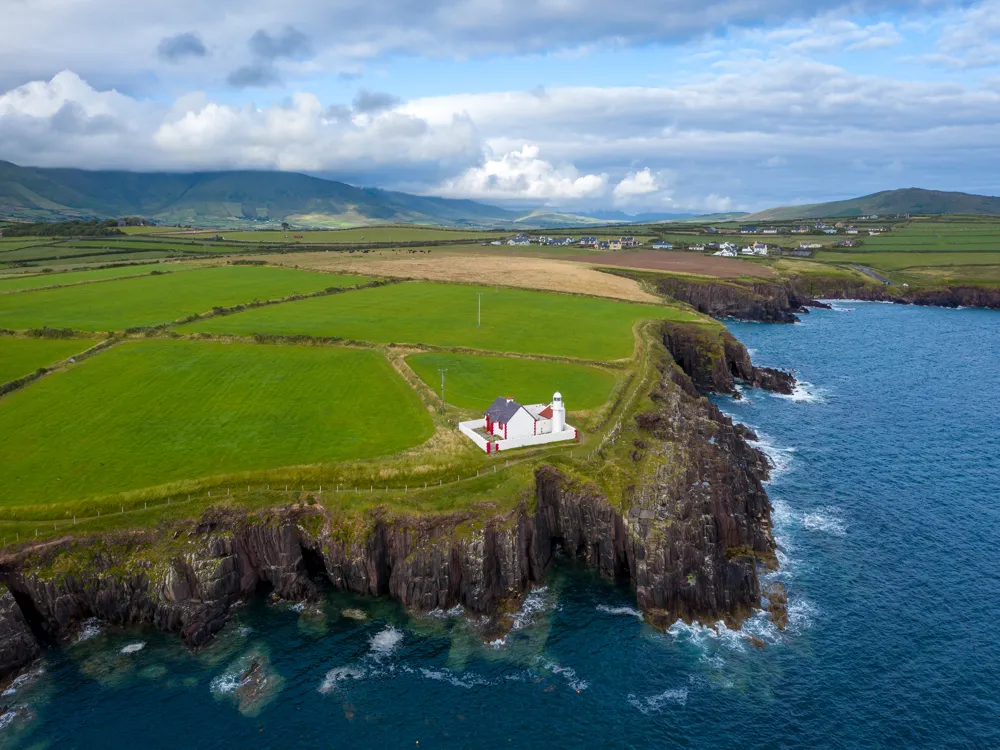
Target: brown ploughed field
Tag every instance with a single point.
(665, 260)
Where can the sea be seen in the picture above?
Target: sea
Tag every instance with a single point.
(886, 494)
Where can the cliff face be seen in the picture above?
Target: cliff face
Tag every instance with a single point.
(762, 301)
(715, 360)
(782, 302)
(689, 527)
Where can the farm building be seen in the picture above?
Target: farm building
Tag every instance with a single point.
(508, 424)
(662, 246)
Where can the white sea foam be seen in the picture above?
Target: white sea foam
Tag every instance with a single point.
(445, 614)
(244, 630)
(88, 629)
(803, 392)
(780, 458)
(225, 683)
(629, 611)
(825, 520)
(384, 642)
(7, 718)
(567, 673)
(338, 674)
(835, 308)
(467, 681)
(655, 703)
(133, 647)
(21, 680)
(298, 607)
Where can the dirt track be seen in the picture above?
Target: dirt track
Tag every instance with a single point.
(529, 273)
(664, 260)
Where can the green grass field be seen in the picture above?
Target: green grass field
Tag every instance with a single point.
(893, 260)
(446, 314)
(154, 412)
(151, 300)
(78, 251)
(473, 382)
(36, 280)
(362, 234)
(20, 357)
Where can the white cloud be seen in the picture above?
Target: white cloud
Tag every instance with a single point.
(234, 36)
(638, 183)
(972, 38)
(523, 175)
(66, 122)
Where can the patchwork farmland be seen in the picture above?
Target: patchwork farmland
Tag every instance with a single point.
(338, 390)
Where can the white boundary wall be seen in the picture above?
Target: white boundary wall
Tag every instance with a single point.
(469, 430)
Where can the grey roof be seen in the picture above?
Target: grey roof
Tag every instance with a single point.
(502, 410)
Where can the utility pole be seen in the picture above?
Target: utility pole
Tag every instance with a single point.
(442, 388)
(479, 322)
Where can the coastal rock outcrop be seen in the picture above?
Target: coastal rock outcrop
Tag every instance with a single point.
(18, 645)
(715, 361)
(761, 301)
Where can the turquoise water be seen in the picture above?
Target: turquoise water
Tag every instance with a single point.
(887, 509)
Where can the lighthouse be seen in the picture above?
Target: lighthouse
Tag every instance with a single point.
(558, 413)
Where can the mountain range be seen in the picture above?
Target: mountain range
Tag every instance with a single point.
(237, 198)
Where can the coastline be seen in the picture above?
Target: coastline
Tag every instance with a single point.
(676, 505)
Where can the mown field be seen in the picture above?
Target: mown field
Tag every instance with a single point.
(940, 235)
(359, 235)
(38, 280)
(473, 382)
(154, 412)
(152, 300)
(20, 357)
(894, 260)
(513, 320)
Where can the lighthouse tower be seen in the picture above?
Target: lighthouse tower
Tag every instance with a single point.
(558, 413)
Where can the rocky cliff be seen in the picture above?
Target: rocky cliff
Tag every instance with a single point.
(675, 505)
(715, 361)
(783, 302)
(763, 301)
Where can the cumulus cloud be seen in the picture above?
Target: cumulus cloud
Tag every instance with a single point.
(797, 117)
(180, 46)
(524, 175)
(636, 184)
(66, 122)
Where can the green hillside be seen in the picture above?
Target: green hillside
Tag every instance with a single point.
(224, 199)
(888, 202)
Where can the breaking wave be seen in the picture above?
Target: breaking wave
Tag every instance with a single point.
(465, 681)
(385, 641)
(88, 629)
(133, 647)
(803, 392)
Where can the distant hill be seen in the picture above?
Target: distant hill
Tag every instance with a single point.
(226, 199)
(888, 202)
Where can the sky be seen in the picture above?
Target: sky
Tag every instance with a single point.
(681, 106)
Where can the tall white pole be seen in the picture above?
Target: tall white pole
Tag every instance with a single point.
(442, 388)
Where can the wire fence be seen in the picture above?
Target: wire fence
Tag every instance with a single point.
(291, 489)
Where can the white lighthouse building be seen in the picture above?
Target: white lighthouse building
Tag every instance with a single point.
(508, 424)
(558, 413)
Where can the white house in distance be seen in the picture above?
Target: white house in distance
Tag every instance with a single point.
(508, 424)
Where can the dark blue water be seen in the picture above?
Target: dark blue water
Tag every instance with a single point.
(886, 506)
